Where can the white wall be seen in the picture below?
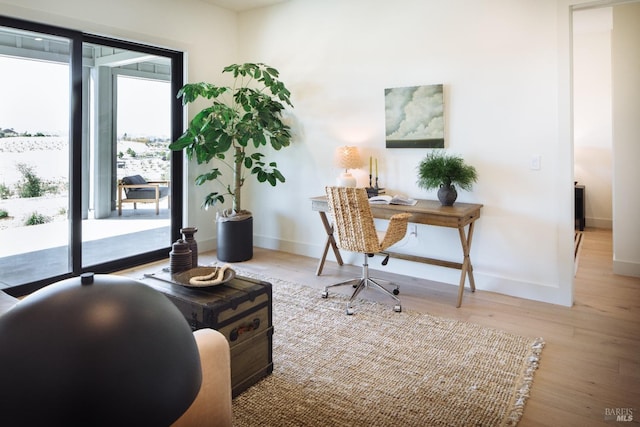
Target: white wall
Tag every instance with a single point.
(593, 144)
(505, 67)
(626, 139)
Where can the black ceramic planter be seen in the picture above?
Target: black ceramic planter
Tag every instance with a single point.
(235, 240)
(447, 195)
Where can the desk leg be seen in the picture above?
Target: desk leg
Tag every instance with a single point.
(330, 242)
(466, 264)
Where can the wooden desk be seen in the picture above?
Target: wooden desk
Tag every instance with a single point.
(430, 212)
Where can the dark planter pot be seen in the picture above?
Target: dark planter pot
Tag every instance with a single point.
(235, 240)
(447, 195)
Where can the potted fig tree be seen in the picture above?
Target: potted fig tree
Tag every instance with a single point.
(228, 133)
(444, 171)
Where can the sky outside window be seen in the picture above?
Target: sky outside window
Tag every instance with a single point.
(144, 107)
(34, 96)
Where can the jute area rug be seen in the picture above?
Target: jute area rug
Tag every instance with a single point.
(381, 368)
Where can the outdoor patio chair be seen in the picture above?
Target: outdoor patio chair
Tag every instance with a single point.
(138, 190)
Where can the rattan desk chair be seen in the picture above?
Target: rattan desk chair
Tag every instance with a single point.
(355, 231)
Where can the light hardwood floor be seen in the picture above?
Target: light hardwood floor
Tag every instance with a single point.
(591, 360)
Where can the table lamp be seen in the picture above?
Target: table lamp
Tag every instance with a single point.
(96, 351)
(347, 157)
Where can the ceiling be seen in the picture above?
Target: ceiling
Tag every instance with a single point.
(242, 5)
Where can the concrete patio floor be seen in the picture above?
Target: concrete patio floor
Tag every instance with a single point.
(34, 252)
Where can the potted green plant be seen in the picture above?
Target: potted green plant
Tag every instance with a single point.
(441, 170)
(228, 133)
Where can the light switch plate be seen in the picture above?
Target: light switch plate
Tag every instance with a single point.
(534, 163)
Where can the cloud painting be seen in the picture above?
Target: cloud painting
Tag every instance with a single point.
(414, 117)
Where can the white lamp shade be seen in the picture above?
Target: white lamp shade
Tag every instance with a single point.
(348, 157)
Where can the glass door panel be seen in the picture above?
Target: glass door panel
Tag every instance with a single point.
(127, 138)
(34, 157)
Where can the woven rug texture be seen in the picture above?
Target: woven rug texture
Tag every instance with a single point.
(382, 368)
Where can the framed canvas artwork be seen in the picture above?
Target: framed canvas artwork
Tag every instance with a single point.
(414, 117)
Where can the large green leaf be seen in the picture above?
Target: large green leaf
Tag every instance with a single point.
(225, 142)
(209, 176)
(187, 138)
(272, 71)
(211, 199)
(278, 175)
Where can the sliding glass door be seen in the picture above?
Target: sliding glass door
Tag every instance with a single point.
(78, 113)
(129, 130)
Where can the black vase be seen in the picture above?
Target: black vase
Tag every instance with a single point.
(179, 257)
(235, 240)
(188, 235)
(447, 194)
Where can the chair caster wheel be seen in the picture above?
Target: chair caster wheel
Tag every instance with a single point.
(397, 308)
(350, 311)
(396, 291)
(324, 294)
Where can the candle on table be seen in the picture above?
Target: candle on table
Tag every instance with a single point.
(370, 160)
(376, 167)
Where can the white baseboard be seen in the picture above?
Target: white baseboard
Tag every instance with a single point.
(625, 268)
(606, 223)
(549, 293)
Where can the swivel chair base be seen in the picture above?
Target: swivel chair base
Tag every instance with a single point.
(366, 282)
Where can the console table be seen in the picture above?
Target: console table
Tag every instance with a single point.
(461, 216)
